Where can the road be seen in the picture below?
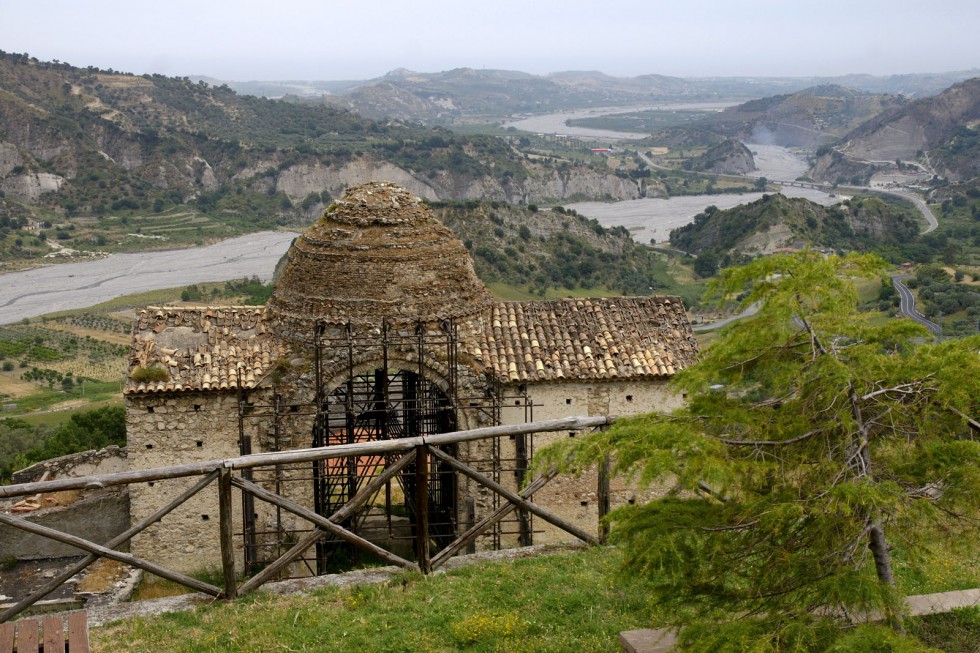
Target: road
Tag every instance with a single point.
(907, 304)
(64, 286)
(920, 204)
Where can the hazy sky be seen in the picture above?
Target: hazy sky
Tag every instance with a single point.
(341, 39)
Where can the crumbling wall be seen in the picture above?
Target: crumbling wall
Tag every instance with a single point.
(87, 463)
(97, 517)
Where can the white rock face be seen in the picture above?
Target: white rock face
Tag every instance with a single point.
(29, 188)
(299, 181)
(9, 158)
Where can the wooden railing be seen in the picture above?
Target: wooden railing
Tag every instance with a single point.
(416, 449)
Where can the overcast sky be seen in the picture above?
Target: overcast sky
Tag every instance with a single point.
(241, 40)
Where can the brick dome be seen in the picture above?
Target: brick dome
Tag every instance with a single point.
(376, 254)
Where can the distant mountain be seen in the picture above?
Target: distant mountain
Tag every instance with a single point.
(808, 118)
(460, 94)
(938, 133)
(775, 222)
(447, 96)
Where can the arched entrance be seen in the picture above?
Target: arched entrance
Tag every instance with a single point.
(382, 404)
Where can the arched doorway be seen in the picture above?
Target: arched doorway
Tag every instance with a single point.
(383, 404)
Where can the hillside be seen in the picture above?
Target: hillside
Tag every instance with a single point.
(556, 249)
(730, 157)
(776, 222)
(938, 133)
(807, 118)
(99, 155)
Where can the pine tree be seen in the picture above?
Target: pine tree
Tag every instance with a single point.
(813, 438)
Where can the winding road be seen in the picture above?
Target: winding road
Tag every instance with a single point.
(907, 304)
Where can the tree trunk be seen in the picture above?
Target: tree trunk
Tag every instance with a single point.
(880, 550)
(881, 553)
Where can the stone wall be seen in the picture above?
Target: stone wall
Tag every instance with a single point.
(165, 430)
(87, 463)
(98, 518)
(575, 498)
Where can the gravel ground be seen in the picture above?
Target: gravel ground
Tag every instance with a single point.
(30, 293)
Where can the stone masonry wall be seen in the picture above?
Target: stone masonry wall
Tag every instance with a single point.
(166, 430)
(576, 498)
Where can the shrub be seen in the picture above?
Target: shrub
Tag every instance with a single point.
(149, 374)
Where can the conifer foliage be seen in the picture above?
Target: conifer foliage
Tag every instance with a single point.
(812, 442)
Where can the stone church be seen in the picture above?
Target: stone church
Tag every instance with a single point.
(379, 328)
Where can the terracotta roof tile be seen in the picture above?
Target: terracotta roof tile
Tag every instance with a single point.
(586, 339)
(202, 348)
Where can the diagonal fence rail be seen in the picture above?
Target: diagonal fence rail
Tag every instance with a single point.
(416, 450)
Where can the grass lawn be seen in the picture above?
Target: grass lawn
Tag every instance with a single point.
(563, 601)
(560, 602)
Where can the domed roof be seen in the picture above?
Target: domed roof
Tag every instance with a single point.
(376, 254)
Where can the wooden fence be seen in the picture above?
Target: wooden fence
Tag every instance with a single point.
(221, 472)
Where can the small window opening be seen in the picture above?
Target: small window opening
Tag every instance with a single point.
(205, 517)
(629, 398)
(149, 446)
(197, 407)
(149, 409)
(568, 402)
(200, 443)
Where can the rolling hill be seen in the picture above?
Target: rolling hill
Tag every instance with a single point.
(938, 133)
(776, 222)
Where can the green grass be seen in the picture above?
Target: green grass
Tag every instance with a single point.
(558, 602)
(565, 601)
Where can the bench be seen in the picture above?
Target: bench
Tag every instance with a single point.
(46, 634)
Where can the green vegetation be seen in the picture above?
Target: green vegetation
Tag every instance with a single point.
(571, 601)
(555, 252)
(957, 239)
(811, 436)
(858, 224)
(250, 291)
(558, 602)
(948, 299)
(641, 121)
(23, 444)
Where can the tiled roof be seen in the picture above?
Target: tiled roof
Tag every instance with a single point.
(565, 339)
(202, 348)
(587, 339)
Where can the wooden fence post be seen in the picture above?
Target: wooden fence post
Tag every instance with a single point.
(603, 494)
(227, 532)
(422, 509)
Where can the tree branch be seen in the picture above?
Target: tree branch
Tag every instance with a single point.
(764, 443)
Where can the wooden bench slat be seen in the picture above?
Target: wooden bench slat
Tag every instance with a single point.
(27, 635)
(78, 632)
(53, 634)
(7, 637)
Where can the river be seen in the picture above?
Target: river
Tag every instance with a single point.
(651, 219)
(65, 286)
